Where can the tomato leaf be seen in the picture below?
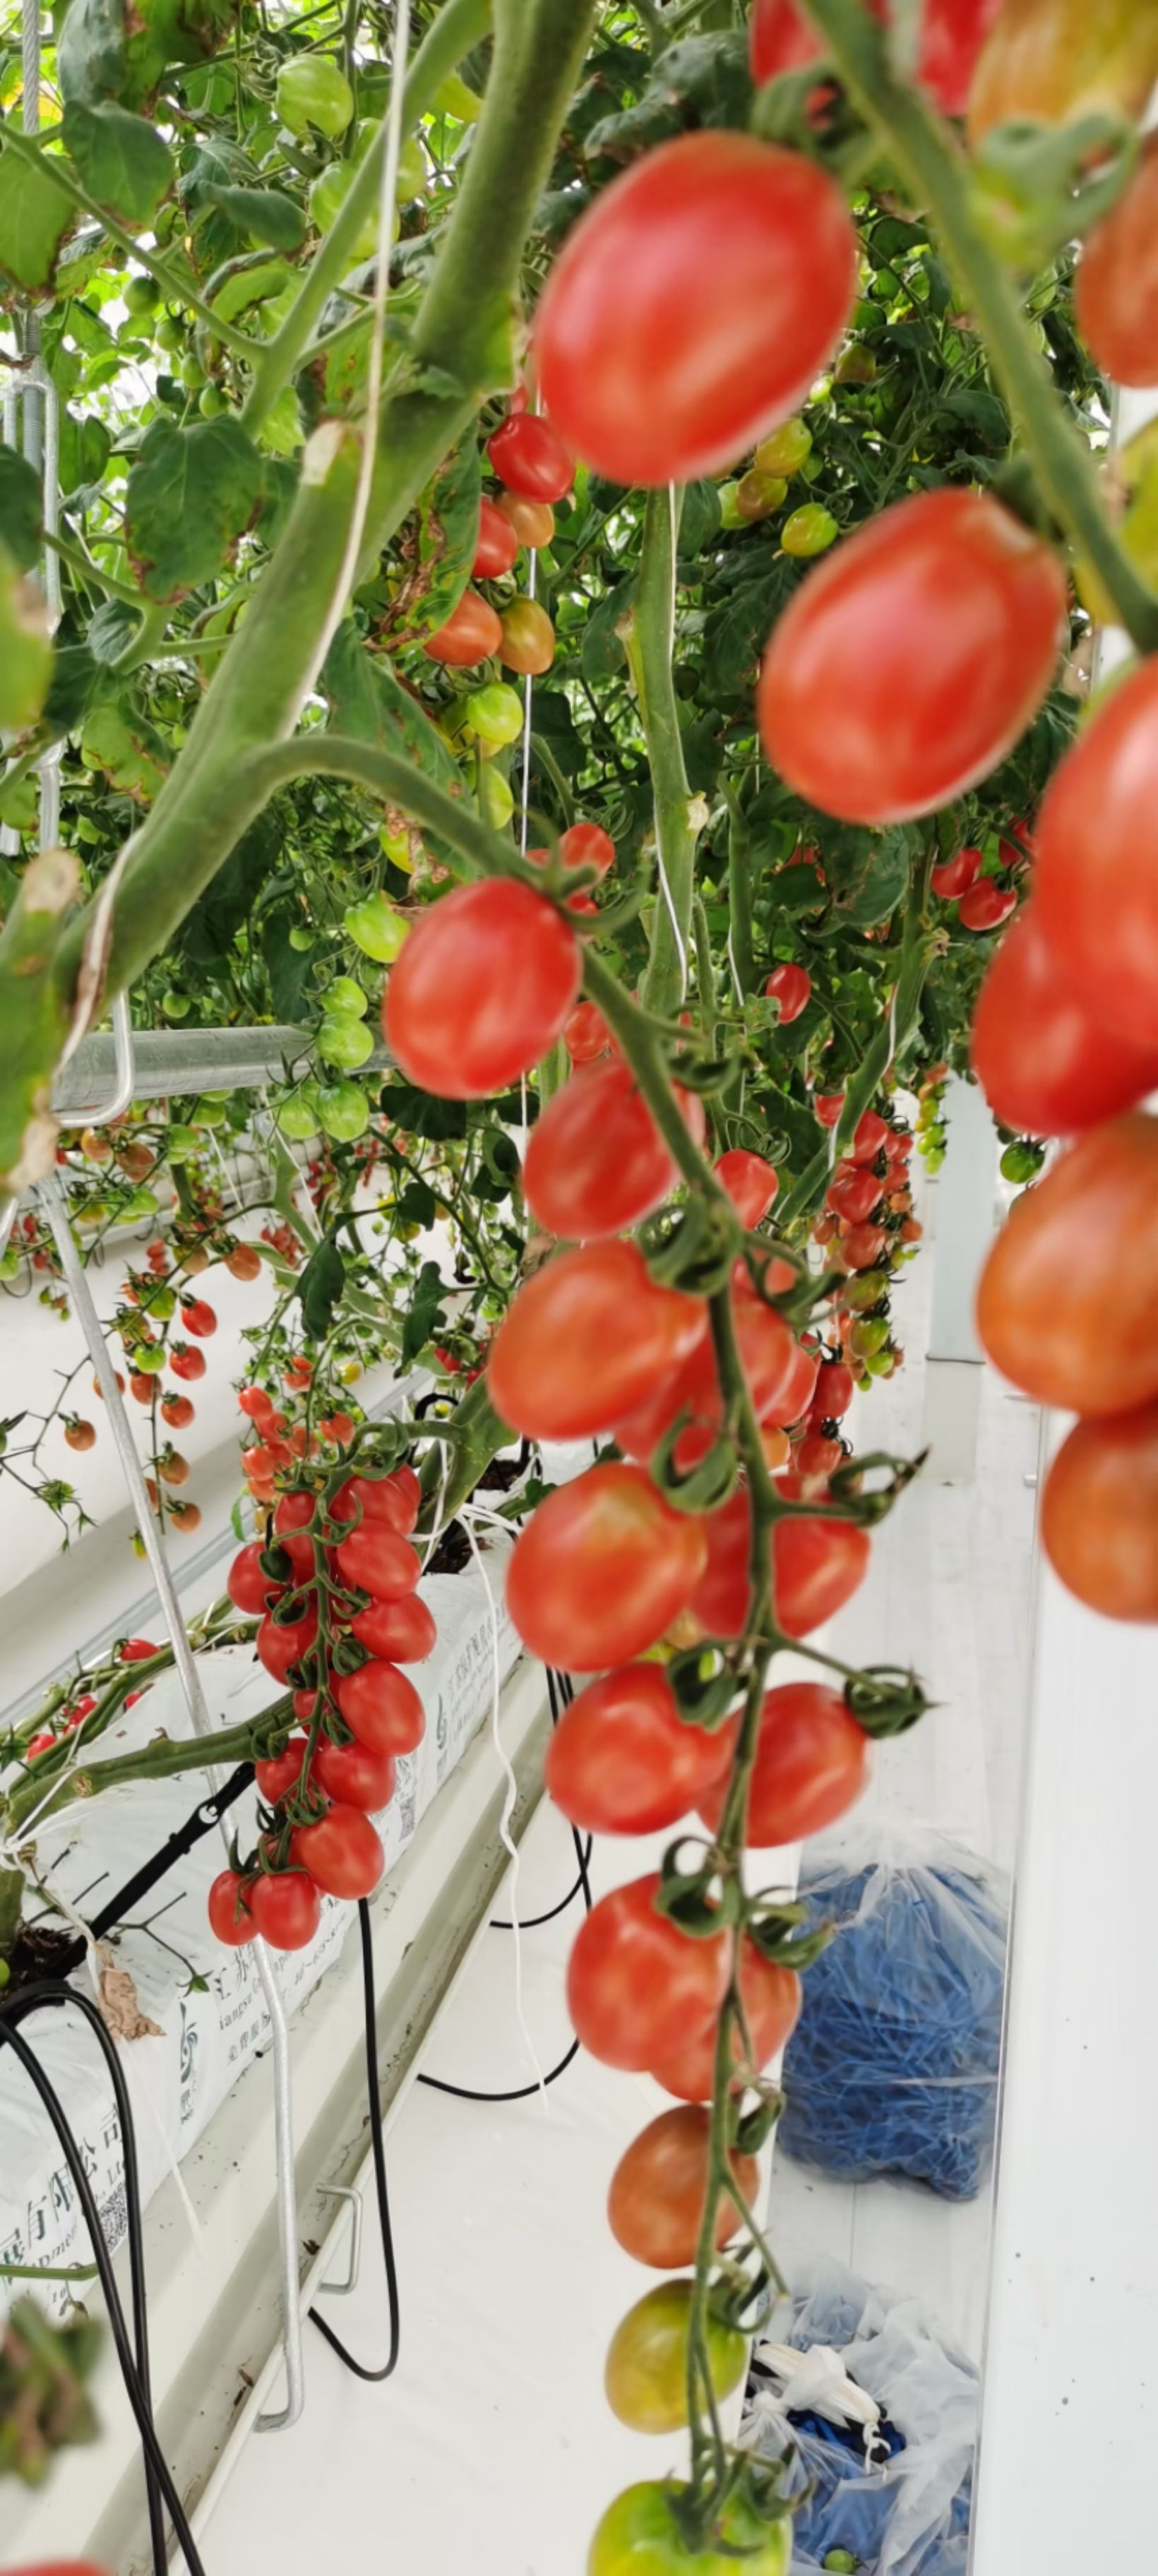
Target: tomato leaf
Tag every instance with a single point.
(366, 700)
(425, 1316)
(120, 741)
(320, 1289)
(419, 1113)
(209, 930)
(604, 652)
(85, 445)
(20, 509)
(869, 873)
(190, 495)
(263, 214)
(35, 215)
(90, 55)
(440, 546)
(288, 968)
(124, 163)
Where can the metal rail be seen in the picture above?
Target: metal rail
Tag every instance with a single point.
(175, 1064)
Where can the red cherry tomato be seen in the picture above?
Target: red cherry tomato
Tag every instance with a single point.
(596, 1162)
(185, 1362)
(870, 1134)
(955, 877)
(481, 989)
(353, 1776)
(952, 35)
(377, 1560)
(876, 706)
(621, 1759)
(834, 1392)
(1116, 289)
(588, 1338)
(472, 632)
(286, 1908)
(586, 1034)
(254, 1402)
(135, 1650)
(817, 1566)
(986, 905)
(381, 1707)
(342, 1853)
(1099, 1515)
(812, 1764)
(280, 1648)
(587, 845)
(229, 1916)
(828, 1106)
(863, 1245)
(772, 2003)
(398, 1632)
(791, 986)
(1066, 1305)
(1047, 1067)
(1096, 886)
(529, 456)
(497, 549)
(601, 1569)
(281, 1771)
(177, 1411)
(637, 1985)
(814, 1459)
(655, 2205)
(395, 1498)
(853, 1194)
(714, 243)
(782, 39)
(290, 1521)
(198, 1317)
(751, 1184)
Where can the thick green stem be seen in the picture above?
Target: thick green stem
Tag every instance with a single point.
(650, 645)
(459, 25)
(157, 1761)
(932, 159)
(11, 1901)
(740, 899)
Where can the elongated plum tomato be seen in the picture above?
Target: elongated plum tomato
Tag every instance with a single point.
(1099, 1514)
(1047, 1067)
(876, 706)
(497, 546)
(394, 1498)
(342, 1853)
(587, 845)
(528, 643)
(1096, 880)
(693, 306)
(750, 1181)
(248, 1588)
(382, 1708)
(1051, 62)
(353, 1776)
(473, 631)
(1068, 1301)
(853, 1193)
(529, 456)
(772, 1996)
(817, 1565)
(646, 2376)
(481, 989)
(622, 1761)
(659, 2186)
(229, 1916)
(986, 905)
(398, 1632)
(636, 1985)
(586, 1035)
(601, 1569)
(1116, 289)
(779, 1374)
(379, 1560)
(586, 1340)
(639, 2536)
(956, 876)
(832, 1395)
(596, 1162)
(812, 1763)
(791, 986)
(952, 35)
(280, 1647)
(286, 1908)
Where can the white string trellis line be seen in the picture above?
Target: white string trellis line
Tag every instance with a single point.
(468, 1514)
(676, 932)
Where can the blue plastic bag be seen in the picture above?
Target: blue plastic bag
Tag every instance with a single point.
(894, 2498)
(894, 2063)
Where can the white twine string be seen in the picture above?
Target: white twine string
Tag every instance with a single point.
(468, 1514)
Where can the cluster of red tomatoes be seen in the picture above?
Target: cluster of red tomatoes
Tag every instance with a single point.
(336, 1593)
(867, 1216)
(535, 470)
(132, 1650)
(277, 1444)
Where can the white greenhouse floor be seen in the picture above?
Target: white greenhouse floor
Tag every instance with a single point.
(493, 2444)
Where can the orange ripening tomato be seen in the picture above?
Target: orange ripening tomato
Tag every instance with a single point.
(1067, 1307)
(873, 704)
(588, 1338)
(636, 1984)
(596, 1162)
(812, 1764)
(1050, 62)
(655, 2205)
(601, 1569)
(622, 1760)
(772, 1998)
(472, 632)
(497, 544)
(481, 989)
(751, 1183)
(528, 643)
(533, 521)
(1047, 1067)
(1096, 883)
(1099, 1514)
(1116, 289)
(714, 244)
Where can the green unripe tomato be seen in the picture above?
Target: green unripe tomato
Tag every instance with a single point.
(9, 1261)
(343, 1111)
(496, 801)
(1022, 1161)
(645, 2377)
(312, 89)
(170, 333)
(376, 928)
(345, 995)
(788, 448)
(809, 531)
(730, 506)
(344, 1041)
(455, 99)
(149, 1358)
(869, 1336)
(181, 1142)
(211, 402)
(857, 366)
(495, 713)
(639, 2536)
(143, 1203)
(191, 374)
(176, 1006)
(880, 1363)
(840, 2562)
(297, 1119)
(864, 1289)
(301, 938)
(209, 1112)
(141, 294)
(329, 193)
(161, 1304)
(758, 495)
(396, 847)
(413, 169)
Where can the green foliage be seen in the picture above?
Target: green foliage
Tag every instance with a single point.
(190, 495)
(124, 163)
